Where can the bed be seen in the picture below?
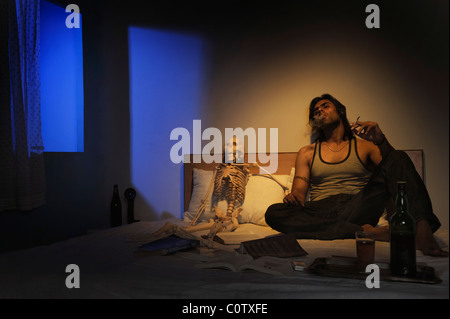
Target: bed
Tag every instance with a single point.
(107, 267)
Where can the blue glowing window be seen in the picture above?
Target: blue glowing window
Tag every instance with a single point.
(62, 98)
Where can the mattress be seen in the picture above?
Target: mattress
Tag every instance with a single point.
(108, 269)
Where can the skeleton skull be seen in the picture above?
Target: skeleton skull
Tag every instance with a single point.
(234, 151)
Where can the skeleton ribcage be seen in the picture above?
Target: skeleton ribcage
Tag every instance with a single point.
(229, 185)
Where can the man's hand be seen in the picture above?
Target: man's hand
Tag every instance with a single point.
(291, 199)
(369, 131)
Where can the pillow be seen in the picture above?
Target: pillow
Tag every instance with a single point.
(261, 192)
(200, 179)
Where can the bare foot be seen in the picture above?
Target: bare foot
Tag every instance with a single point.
(381, 233)
(426, 242)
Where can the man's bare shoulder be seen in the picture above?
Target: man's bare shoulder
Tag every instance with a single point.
(369, 153)
(306, 152)
(365, 145)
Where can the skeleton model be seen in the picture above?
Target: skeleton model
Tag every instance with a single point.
(229, 181)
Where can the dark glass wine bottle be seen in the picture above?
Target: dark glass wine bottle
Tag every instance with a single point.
(403, 242)
(116, 208)
(130, 195)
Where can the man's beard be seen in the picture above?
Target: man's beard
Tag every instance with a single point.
(331, 125)
(319, 125)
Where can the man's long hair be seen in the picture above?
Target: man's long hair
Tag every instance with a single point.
(317, 131)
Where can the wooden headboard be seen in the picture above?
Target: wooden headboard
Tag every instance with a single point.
(285, 162)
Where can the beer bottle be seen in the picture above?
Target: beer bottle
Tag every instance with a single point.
(116, 208)
(402, 230)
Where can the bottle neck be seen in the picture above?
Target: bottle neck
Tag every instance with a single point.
(401, 202)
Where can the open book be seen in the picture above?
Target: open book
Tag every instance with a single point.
(283, 245)
(236, 238)
(239, 262)
(165, 246)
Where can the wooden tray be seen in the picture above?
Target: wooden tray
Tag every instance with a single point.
(347, 267)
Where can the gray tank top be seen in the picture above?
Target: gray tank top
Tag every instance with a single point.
(346, 177)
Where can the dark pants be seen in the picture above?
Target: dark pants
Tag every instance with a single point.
(339, 216)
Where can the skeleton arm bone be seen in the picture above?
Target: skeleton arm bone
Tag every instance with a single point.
(201, 209)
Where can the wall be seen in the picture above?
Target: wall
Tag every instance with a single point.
(264, 66)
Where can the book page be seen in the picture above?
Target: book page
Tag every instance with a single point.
(240, 262)
(271, 265)
(285, 245)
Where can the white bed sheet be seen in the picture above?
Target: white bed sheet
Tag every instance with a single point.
(109, 270)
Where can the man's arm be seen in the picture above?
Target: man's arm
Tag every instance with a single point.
(370, 131)
(300, 186)
(384, 146)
